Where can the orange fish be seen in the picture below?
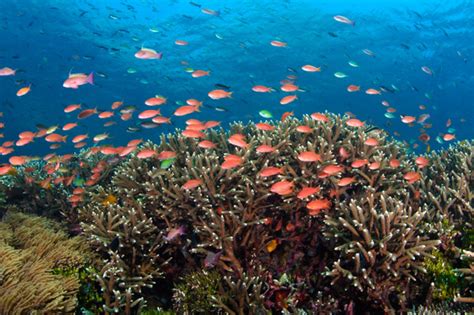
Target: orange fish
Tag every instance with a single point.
(75, 80)
(304, 129)
(408, 119)
(288, 99)
(371, 142)
(116, 104)
(23, 142)
(286, 115)
(359, 163)
(134, 142)
(372, 92)
(354, 122)
(219, 94)
(278, 43)
(26, 134)
(193, 134)
(270, 171)
(206, 144)
(412, 177)
(191, 184)
(394, 163)
(79, 138)
(353, 88)
(264, 127)
(265, 149)
(199, 73)
(148, 53)
(333, 169)
(127, 150)
(193, 102)
(288, 87)
(231, 161)
(105, 115)
(23, 91)
(165, 155)
(310, 68)
(154, 101)
(262, 89)
(87, 113)
(317, 205)
(146, 153)
(374, 165)
(69, 126)
(343, 153)
(421, 161)
(17, 160)
(211, 124)
(109, 150)
(7, 72)
(282, 188)
(180, 42)
(307, 191)
(126, 116)
(448, 137)
(320, 117)
(71, 108)
(186, 110)
(345, 181)
(5, 169)
(54, 137)
(150, 113)
(238, 140)
(161, 120)
(309, 156)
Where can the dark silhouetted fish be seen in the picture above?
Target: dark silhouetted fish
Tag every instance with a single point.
(222, 86)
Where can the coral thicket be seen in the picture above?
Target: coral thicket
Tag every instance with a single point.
(315, 215)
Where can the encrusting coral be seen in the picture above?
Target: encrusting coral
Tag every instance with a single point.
(31, 248)
(352, 223)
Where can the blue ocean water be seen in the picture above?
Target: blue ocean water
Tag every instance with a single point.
(45, 40)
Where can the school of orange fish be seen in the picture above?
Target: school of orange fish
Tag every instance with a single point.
(196, 129)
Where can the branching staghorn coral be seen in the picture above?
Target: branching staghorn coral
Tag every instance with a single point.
(231, 220)
(30, 249)
(381, 245)
(125, 236)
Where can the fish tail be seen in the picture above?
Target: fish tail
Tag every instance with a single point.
(90, 78)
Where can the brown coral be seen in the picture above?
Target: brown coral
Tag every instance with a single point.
(30, 248)
(379, 223)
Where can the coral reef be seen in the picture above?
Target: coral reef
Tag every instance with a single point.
(46, 187)
(32, 251)
(363, 204)
(314, 215)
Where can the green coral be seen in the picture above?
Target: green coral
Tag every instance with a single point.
(194, 294)
(447, 281)
(89, 298)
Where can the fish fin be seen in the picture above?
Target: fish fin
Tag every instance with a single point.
(90, 78)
